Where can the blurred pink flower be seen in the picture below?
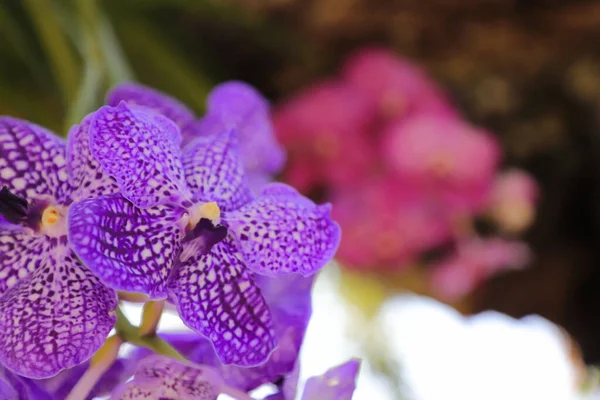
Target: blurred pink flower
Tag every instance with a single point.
(325, 130)
(475, 261)
(513, 200)
(395, 86)
(454, 161)
(386, 225)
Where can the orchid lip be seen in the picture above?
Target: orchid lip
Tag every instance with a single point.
(39, 215)
(12, 207)
(202, 238)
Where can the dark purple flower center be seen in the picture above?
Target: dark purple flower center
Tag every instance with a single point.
(12, 207)
(209, 233)
(17, 210)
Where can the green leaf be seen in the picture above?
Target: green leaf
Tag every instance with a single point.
(158, 61)
(59, 51)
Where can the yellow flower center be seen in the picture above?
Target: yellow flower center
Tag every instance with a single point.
(53, 222)
(50, 216)
(208, 210)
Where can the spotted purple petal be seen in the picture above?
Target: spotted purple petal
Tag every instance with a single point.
(214, 170)
(282, 232)
(338, 383)
(239, 106)
(86, 175)
(140, 390)
(158, 377)
(32, 160)
(140, 150)
(142, 96)
(217, 297)
(20, 255)
(289, 299)
(129, 248)
(56, 318)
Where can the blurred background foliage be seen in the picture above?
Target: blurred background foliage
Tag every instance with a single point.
(529, 70)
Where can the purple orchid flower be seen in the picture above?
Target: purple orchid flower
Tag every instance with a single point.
(158, 377)
(338, 383)
(231, 105)
(186, 226)
(55, 312)
(289, 300)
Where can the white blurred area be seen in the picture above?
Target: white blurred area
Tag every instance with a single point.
(438, 354)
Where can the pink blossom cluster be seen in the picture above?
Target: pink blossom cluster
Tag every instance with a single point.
(406, 173)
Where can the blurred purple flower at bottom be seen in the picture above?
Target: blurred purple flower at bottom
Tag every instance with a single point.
(337, 383)
(159, 377)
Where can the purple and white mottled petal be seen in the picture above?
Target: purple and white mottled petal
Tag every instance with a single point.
(128, 248)
(158, 377)
(214, 170)
(283, 232)
(86, 176)
(217, 297)
(32, 160)
(289, 299)
(21, 254)
(56, 318)
(239, 106)
(141, 151)
(142, 96)
(338, 383)
(140, 390)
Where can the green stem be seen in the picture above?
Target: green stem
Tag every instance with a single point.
(57, 48)
(151, 317)
(130, 333)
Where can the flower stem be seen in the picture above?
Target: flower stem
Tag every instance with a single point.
(151, 317)
(99, 364)
(130, 333)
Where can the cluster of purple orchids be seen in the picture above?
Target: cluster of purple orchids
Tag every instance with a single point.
(145, 198)
(406, 173)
